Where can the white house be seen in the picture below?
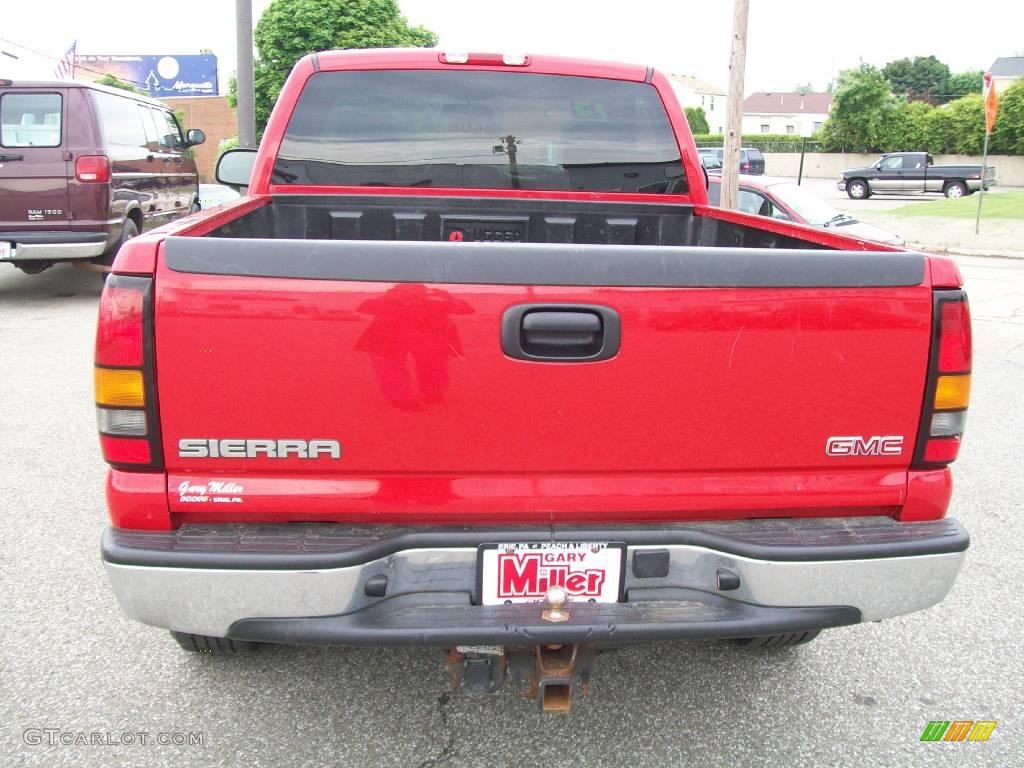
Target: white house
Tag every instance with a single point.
(694, 92)
(1006, 70)
(799, 114)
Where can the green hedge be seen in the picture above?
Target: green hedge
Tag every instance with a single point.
(955, 128)
(766, 142)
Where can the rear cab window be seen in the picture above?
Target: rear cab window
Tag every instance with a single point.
(31, 119)
(714, 193)
(480, 130)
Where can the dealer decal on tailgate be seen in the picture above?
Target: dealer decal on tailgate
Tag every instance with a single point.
(523, 573)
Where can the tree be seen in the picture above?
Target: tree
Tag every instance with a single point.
(964, 83)
(1008, 132)
(805, 88)
(906, 132)
(956, 128)
(112, 82)
(923, 78)
(862, 109)
(697, 119)
(289, 29)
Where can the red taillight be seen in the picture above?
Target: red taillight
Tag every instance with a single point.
(744, 166)
(92, 169)
(942, 450)
(126, 413)
(122, 451)
(954, 337)
(949, 381)
(119, 330)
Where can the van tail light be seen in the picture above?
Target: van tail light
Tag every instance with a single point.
(92, 169)
(949, 381)
(126, 412)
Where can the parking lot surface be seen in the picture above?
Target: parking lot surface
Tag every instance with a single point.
(861, 696)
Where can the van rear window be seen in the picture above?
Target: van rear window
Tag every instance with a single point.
(30, 119)
(480, 130)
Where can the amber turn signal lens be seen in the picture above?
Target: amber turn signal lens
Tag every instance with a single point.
(952, 392)
(119, 386)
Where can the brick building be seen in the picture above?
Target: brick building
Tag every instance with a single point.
(217, 120)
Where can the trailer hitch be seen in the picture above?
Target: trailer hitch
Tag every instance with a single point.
(552, 675)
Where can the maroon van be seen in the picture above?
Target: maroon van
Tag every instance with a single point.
(83, 168)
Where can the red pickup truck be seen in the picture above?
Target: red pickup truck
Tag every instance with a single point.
(474, 365)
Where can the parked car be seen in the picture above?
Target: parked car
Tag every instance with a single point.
(751, 160)
(84, 168)
(900, 173)
(782, 199)
(417, 389)
(709, 159)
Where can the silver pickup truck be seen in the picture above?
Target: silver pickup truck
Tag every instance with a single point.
(900, 173)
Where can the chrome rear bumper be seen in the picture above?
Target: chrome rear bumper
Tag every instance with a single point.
(55, 245)
(308, 583)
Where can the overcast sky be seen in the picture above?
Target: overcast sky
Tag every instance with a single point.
(790, 41)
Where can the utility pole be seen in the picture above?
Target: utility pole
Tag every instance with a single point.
(734, 117)
(508, 146)
(244, 74)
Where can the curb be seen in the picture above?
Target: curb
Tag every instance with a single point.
(944, 251)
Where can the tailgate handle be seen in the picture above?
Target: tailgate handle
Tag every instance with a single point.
(560, 332)
(561, 329)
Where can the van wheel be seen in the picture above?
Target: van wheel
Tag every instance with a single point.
(776, 641)
(128, 231)
(858, 189)
(214, 646)
(955, 189)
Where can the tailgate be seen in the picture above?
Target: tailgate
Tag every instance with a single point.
(733, 370)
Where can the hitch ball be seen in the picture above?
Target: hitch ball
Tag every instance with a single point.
(554, 604)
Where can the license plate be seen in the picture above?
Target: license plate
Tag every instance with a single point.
(6, 251)
(523, 572)
(459, 229)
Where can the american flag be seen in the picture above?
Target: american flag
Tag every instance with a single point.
(66, 68)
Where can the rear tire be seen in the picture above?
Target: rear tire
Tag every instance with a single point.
(857, 189)
(128, 231)
(776, 641)
(955, 189)
(214, 646)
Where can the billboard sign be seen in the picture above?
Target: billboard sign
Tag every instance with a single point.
(159, 76)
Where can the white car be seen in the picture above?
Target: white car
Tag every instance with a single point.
(782, 199)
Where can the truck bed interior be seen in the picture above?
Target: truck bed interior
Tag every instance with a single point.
(436, 218)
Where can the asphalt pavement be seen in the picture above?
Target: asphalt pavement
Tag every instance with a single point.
(72, 666)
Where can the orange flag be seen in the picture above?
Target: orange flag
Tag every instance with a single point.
(991, 103)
